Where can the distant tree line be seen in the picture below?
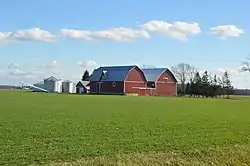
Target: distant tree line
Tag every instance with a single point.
(195, 85)
(243, 92)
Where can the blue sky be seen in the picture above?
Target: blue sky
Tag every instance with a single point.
(30, 55)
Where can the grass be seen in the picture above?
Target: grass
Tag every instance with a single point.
(56, 129)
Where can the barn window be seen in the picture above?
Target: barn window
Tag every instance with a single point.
(114, 84)
(165, 78)
(151, 84)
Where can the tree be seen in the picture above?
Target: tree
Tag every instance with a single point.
(192, 88)
(196, 88)
(205, 85)
(220, 87)
(188, 89)
(86, 76)
(227, 85)
(192, 73)
(183, 72)
(214, 86)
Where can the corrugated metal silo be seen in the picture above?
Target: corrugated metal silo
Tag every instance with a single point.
(68, 86)
(53, 84)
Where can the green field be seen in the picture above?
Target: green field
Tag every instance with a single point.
(58, 129)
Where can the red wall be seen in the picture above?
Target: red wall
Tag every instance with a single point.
(165, 87)
(92, 87)
(135, 80)
(107, 87)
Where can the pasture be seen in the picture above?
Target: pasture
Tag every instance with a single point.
(58, 129)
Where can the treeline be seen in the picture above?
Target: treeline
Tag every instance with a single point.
(242, 92)
(205, 85)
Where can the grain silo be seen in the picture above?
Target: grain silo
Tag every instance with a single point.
(67, 86)
(53, 84)
(74, 87)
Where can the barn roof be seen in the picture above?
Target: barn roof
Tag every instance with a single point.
(152, 74)
(111, 73)
(52, 78)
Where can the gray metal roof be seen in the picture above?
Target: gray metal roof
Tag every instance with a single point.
(111, 73)
(38, 83)
(68, 81)
(51, 78)
(152, 74)
(96, 75)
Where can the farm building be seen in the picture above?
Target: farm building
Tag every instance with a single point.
(117, 80)
(160, 82)
(131, 80)
(53, 84)
(82, 87)
(67, 86)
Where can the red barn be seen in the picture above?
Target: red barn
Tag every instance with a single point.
(117, 80)
(160, 82)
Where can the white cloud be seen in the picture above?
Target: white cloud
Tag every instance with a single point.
(50, 65)
(4, 37)
(177, 30)
(40, 71)
(31, 74)
(25, 74)
(32, 34)
(225, 31)
(87, 64)
(117, 34)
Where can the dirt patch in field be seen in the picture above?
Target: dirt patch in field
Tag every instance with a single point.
(237, 155)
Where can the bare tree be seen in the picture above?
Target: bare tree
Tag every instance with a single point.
(192, 72)
(246, 65)
(184, 72)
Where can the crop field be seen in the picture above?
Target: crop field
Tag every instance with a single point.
(61, 129)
